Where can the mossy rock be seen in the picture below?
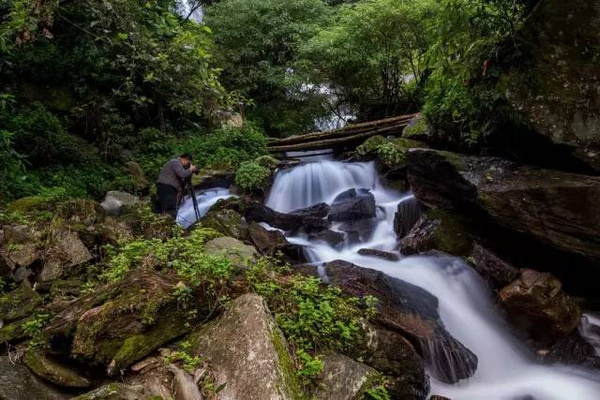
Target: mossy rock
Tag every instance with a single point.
(19, 303)
(438, 230)
(268, 162)
(113, 391)
(405, 144)
(52, 371)
(241, 255)
(125, 321)
(13, 332)
(370, 145)
(418, 129)
(227, 222)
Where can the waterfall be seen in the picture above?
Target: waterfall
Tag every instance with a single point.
(206, 198)
(506, 369)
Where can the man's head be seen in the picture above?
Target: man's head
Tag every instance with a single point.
(186, 160)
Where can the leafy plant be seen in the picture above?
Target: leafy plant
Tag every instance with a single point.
(34, 327)
(251, 176)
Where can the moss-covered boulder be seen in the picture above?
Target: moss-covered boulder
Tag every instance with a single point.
(226, 217)
(437, 230)
(417, 129)
(557, 209)
(114, 391)
(553, 82)
(52, 371)
(343, 378)
(125, 321)
(64, 251)
(241, 255)
(248, 353)
(17, 382)
(19, 303)
(369, 146)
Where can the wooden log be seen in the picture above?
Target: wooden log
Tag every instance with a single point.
(348, 130)
(330, 143)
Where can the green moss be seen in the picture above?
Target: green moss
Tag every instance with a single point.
(53, 372)
(287, 368)
(267, 161)
(416, 130)
(13, 331)
(19, 303)
(452, 236)
(370, 145)
(28, 205)
(406, 144)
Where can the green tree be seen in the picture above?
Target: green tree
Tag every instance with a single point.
(373, 55)
(257, 44)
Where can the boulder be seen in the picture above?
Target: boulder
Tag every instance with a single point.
(353, 204)
(19, 303)
(226, 221)
(19, 248)
(495, 271)
(554, 82)
(115, 200)
(369, 146)
(273, 242)
(18, 383)
(536, 304)
(411, 311)
(310, 219)
(343, 378)
(125, 321)
(142, 183)
(241, 255)
(358, 231)
(386, 255)
(391, 354)
(114, 391)
(66, 251)
(437, 230)
(52, 371)
(573, 350)
(248, 353)
(408, 214)
(18, 234)
(556, 208)
(332, 238)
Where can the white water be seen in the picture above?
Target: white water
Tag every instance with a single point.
(206, 198)
(506, 371)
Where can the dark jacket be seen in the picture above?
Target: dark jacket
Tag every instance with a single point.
(173, 173)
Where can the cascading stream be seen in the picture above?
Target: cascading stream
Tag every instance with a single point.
(186, 215)
(506, 370)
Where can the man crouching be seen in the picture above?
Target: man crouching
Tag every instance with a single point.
(170, 181)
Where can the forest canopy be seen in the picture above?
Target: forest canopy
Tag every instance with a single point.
(87, 86)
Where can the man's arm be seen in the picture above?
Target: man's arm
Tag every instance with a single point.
(181, 172)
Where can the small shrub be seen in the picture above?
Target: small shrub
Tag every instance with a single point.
(34, 328)
(390, 154)
(251, 176)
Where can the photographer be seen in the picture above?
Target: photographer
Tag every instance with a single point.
(170, 181)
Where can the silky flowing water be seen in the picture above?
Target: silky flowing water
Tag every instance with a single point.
(506, 370)
(206, 199)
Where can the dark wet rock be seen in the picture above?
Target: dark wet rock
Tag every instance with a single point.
(52, 371)
(18, 383)
(343, 378)
(333, 238)
(19, 303)
(408, 214)
(495, 271)
(309, 219)
(411, 311)
(556, 208)
(437, 230)
(115, 200)
(353, 204)
(248, 352)
(65, 251)
(386, 255)
(360, 230)
(123, 322)
(241, 255)
(573, 350)
(536, 304)
(554, 84)
(273, 242)
(391, 354)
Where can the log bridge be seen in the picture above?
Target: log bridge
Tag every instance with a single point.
(346, 136)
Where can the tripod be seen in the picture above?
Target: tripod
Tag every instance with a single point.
(188, 188)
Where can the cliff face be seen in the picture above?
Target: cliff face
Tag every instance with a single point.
(557, 85)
